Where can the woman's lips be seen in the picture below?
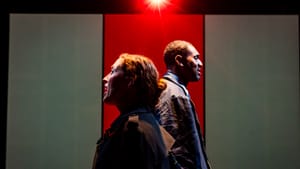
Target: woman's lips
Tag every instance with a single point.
(105, 89)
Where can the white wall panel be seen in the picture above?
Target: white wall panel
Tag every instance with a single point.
(252, 91)
(54, 90)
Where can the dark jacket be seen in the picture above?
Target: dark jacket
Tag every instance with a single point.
(176, 113)
(134, 141)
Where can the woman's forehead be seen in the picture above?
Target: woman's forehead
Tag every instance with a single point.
(117, 63)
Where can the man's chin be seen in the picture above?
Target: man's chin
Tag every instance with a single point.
(195, 79)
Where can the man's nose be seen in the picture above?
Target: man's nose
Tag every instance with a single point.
(200, 63)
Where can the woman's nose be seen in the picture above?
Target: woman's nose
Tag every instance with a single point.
(105, 79)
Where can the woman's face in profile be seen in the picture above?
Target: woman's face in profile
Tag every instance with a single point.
(115, 85)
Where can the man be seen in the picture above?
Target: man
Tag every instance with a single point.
(134, 140)
(175, 110)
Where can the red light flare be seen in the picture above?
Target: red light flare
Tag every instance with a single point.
(159, 6)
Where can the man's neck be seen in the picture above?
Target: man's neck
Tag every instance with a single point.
(177, 77)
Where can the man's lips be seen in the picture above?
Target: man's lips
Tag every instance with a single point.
(199, 72)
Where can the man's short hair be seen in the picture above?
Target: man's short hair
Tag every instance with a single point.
(174, 48)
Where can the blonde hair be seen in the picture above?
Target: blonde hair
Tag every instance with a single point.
(143, 72)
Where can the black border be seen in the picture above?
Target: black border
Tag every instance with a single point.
(130, 6)
(4, 29)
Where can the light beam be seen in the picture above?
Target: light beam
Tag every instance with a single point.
(157, 4)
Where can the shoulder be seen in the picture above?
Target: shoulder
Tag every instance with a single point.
(144, 127)
(144, 123)
(172, 89)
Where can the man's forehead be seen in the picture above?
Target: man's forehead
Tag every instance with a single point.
(192, 50)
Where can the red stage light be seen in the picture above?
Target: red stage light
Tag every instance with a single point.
(157, 4)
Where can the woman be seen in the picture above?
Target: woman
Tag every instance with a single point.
(134, 140)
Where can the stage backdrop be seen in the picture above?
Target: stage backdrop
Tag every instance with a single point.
(148, 35)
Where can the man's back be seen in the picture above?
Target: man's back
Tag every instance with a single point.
(176, 114)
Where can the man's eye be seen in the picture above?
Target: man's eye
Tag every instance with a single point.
(196, 57)
(112, 71)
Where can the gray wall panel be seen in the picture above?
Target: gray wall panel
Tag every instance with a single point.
(252, 91)
(54, 90)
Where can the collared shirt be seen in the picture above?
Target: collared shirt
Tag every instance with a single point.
(176, 113)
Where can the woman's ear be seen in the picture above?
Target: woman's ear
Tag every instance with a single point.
(179, 60)
(131, 81)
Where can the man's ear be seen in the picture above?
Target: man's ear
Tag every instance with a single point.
(179, 60)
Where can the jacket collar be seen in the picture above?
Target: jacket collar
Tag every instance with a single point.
(175, 79)
(124, 115)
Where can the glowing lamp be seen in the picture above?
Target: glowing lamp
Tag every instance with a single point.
(157, 4)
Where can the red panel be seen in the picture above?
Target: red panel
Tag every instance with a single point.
(148, 35)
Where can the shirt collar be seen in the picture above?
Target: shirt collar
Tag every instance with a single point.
(175, 79)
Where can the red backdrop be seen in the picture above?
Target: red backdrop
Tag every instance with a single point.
(148, 34)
